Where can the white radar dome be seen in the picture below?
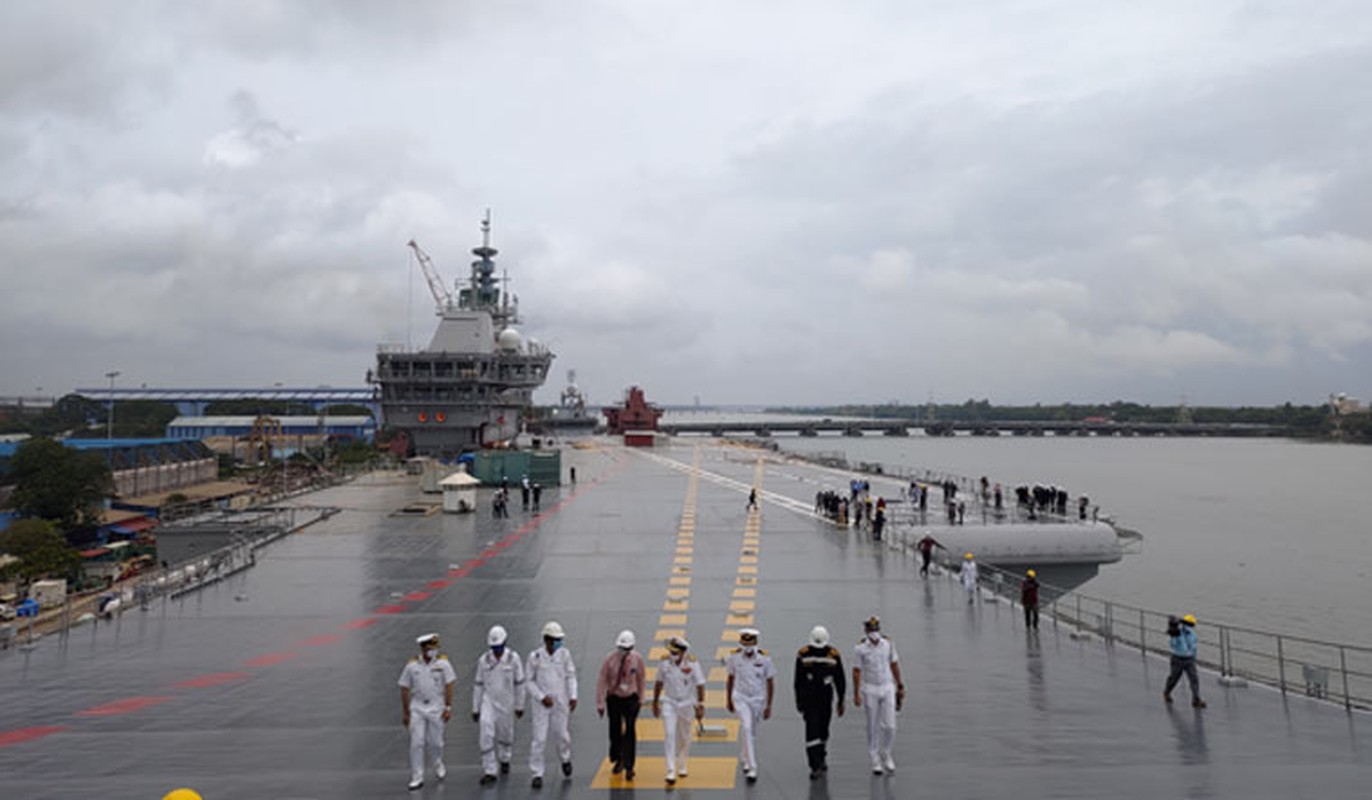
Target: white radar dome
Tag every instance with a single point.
(509, 340)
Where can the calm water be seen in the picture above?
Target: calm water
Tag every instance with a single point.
(1270, 534)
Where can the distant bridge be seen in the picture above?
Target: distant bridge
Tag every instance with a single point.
(904, 427)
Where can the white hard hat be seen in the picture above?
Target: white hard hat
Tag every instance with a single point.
(553, 631)
(497, 635)
(625, 639)
(819, 636)
(428, 638)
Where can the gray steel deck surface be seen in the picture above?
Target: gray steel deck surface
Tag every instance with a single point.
(280, 683)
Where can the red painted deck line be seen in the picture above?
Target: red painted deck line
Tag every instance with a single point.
(212, 679)
(268, 659)
(22, 735)
(394, 608)
(321, 640)
(360, 623)
(415, 597)
(126, 706)
(438, 584)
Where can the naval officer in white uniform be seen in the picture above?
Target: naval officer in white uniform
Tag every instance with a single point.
(551, 678)
(683, 678)
(879, 690)
(748, 693)
(497, 699)
(426, 703)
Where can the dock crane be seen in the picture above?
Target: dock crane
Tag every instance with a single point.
(442, 296)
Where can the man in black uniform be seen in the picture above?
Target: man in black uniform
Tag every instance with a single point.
(818, 681)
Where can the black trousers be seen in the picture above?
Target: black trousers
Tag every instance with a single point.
(817, 716)
(924, 556)
(1031, 616)
(1185, 665)
(623, 714)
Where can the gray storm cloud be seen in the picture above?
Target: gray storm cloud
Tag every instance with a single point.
(1016, 201)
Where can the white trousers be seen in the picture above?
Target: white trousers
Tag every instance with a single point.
(497, 737)
(425, 729)
(749, 711)
(544, 719)
(879, 701)
(676, 733)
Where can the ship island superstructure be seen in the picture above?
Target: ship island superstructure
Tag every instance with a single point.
(469, 387)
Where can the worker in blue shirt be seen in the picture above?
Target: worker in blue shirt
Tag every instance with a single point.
(1182, 635)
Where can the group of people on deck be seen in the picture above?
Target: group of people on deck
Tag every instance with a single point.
(504, 685)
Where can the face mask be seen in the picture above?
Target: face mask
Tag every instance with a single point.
(429, 654)
(749, 649)
(554, 645)
(874, 636)
(498, 650)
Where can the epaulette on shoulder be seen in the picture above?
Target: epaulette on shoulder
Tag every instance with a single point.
(691, 658)
(761, 652)
(738, 650)
(414, 660)
(833, 651)
(442, 656)
(803, 650)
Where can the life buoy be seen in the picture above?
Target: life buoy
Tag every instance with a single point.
(423, 417)
(440, 417)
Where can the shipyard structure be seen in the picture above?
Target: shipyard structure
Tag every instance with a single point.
(467, 389)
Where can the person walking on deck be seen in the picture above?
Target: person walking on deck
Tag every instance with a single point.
(819, 680)
(752, 499)
(969, 577)
(926, 552)
(1029, 598)
(426, 705)
(683, 679)
(551, 678)
(1182, 637)
(619, 690)
(748, 692)
(497, 700)
(878, 688)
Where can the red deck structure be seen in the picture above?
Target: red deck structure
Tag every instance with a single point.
(636, 414)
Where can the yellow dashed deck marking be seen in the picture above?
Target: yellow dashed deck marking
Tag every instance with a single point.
(663, 634)
(745, 593)
(678, 593)
(746, 569)
(681, 560)
(706, 773)
(649, 729)
(672, 619)
(744, 620)
(738, 606)
(747, 559)
(717, 675)
(676, 605)
(680, 580)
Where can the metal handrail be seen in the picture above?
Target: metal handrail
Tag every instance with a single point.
(1237, 652)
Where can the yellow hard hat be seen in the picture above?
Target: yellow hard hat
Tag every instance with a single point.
(1189, 619)
(1032, 574)
(183, 794)
(968, 556)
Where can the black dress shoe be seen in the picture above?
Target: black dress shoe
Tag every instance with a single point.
(567, 768)
(538, 782)
(504, 768)
(617, 768)
(487, 780)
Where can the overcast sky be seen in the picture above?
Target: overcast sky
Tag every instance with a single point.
(784, 203)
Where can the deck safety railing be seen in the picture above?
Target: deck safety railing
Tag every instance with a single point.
(1332, 671)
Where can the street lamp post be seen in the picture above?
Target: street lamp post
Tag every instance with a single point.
(109, 417)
